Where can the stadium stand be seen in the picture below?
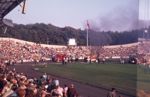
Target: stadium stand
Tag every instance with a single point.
(17, 51)
(144, 52)
(14, 50)
(13, 84)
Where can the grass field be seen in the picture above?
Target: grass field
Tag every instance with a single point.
(125, 77)
(143, 79)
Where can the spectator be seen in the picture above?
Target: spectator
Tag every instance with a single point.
(113, 93)
(72, 92)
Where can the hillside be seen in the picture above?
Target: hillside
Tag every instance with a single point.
(50, 34)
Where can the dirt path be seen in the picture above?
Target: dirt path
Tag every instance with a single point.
(83, 89)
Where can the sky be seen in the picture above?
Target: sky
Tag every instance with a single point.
(72, 13)
(144, 9)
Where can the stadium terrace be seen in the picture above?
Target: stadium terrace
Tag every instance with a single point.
(17, 51)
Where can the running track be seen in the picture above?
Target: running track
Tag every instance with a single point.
(83, 89)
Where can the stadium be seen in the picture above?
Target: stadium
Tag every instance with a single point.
(35, 64)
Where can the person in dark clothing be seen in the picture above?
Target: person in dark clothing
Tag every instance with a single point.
(113, 93)
(72, 91)
(2, 83)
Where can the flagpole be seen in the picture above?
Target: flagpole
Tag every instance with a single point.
(87, 34)
(87, 37)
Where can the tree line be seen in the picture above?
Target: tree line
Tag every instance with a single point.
(50, 34)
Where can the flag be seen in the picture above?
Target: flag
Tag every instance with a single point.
(88, 25)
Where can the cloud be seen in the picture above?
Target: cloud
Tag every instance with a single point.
(121, 18)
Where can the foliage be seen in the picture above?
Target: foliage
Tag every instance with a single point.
(47, 33)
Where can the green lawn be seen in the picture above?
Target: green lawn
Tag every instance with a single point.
(143, 79)
(125, 77)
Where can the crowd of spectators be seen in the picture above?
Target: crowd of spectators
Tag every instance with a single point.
(14, 84)
(143, 47)
(144, 52)
(18, 84)
(13, 51)
(18, 52)
(118, 51)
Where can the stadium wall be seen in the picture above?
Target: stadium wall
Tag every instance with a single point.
(62, 46)
(31, 43)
